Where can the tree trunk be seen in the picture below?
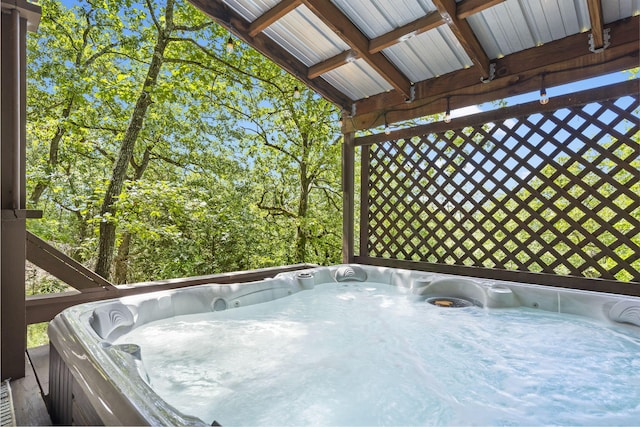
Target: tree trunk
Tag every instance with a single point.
(53, 155)
(122, 260)
(303, 208)
(107, 239)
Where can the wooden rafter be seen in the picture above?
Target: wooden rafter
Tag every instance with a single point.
(421, 25)
(351, 35)
(332, 63)
(428, 22)
(563, 61)
(464, 34)
(272, 15)
(467, 8)
(597, 24)
(398, 35)
(229, 19)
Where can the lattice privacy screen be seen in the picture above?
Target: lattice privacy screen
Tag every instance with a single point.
(554, 192)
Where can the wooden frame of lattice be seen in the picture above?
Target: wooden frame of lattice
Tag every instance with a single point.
(526, 193)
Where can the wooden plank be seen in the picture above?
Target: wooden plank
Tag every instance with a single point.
(62, 266)
(332, 63)
(597, 24)
(10, 214)
(29, 404)
(467, 8)
(465, 35)
(350, 34)
(419, 26)
(39, 359)
(348, 198)
(43, 308)
(229, 19)
(272, 15)
(562, 61)
(595, 285)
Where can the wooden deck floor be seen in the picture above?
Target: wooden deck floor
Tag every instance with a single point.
(28, 392)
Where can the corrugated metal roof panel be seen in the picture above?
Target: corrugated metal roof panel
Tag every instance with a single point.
(560, 18)
(306, 37)
(504, 29)
(430, 54)
(377, 17)
(514, 25)
(615, 10)
(251, 9)
(357, 80)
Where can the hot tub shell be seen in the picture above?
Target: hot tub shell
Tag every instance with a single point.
(93, 382)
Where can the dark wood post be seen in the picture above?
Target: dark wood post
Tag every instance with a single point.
(348, 165)
(364, 202)
(17, 16)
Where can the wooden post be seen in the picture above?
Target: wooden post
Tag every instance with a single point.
(364, 202)
(17, 17)
(348, 165)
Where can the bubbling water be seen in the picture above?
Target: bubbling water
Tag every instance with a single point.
(369, 354)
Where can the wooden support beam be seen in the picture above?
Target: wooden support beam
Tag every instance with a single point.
(597, 24)
(419, 26)
(466, 8)
(272, 15)
(465, 36)
(62, 266)
(365, 161)
(229, 19)
(563, 61)
(351, 35)
(17, 17)
(12, 101)
(332, 63)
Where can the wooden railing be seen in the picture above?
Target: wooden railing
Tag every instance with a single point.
(43, 308)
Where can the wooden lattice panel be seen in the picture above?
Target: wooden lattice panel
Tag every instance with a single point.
(554, 192)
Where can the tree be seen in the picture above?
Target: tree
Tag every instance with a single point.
(138, 162)
(293, 141)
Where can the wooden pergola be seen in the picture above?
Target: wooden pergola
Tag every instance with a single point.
(541, 193)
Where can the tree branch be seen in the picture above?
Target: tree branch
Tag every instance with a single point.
(274, 210)
(98, 54)
(225, 63)
(168, 160)
(153, 16)
(105, 128)
(193, 28)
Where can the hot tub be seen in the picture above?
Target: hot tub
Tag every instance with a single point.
(349, 345)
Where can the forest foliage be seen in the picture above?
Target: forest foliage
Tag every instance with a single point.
(154, 151)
